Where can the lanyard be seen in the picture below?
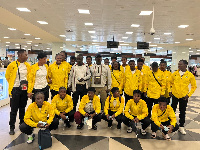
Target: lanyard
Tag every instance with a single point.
(98, 69)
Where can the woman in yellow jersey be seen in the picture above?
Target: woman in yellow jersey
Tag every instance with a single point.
(180, 80)
(155, 86)
(39, 114)
(90, 107)
(38, 79)
(167, 76)
(163, 116)
(63, 106)
(58, 75)
(136, 111)
(132, 81)
(117, 76)
(124, 66)
(113, 108)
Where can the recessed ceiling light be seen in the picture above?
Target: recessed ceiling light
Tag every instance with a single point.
(183, 52)
(35, 45)
(91, 31)
(153, 45)
(29, 49)
(167, 33)
(198, 50)
(83, 11)
(16, 44)
(93, 37)
(135, 25)
(191, 51)
(42, 22)
(23, 9)
(37, 38)
(94, 40)
(159, 47)
(124, 37)
(183, 26)
(129, 32)
(177, 42)
(121, 41)
(124, 44)
(145, 13)
(174, 52)
(156, 38)
(25, 46)
(190, 48)
(62, 35)
(197, 53)
(26, 34)
(7, 45)
(89, 24)
(188, 39)
(68, 39)
(5, 37)
(48, 48)
(148, 42)
(12, 29)
(95, 43)
(17, 47)
(28, 43)
(7, 42)
(61, 47)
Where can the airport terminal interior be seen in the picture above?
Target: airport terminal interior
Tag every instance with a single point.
(153, 30)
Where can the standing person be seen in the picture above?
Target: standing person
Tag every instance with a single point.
(124, 66)
(155, 86)
(6, 62)
(167, 76)
(144, 71)
(38, 78)
(0, 62)
(64, 62)
(63, 106)
(144, 65)
(57, 75)
(106, 61)
(79, 75)
(90, 107)
(48, 62)
(180, 81)
(195, 71)
(132, 81)
(113, 59)
(100, 76)
(39, 110)
(72, 62)
(163, 117)
(117, 77)
(136, 111)
(89, 61)
(17, 75)
(113, 108)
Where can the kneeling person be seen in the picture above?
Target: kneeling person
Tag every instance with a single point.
(36, 113)
(163, 116)
(114, 107)
(63, 106)
(90, 107)
(136, 111)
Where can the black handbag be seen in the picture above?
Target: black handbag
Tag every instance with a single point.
(44, 139)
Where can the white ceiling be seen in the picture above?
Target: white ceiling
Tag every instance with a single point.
(110, 17)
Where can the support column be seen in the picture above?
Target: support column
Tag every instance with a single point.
(56, 49)
(179, 53)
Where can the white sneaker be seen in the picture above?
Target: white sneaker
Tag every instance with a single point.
(182, 130)
(153, 135)
(143, 132)
(30, 139)
(166, 137)
(129, 130)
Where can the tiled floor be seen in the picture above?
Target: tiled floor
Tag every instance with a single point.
(108, 139)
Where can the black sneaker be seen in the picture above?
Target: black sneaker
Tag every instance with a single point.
(80, 126)
(12, 132)
(109, 124)
(119, 126)
(94, 127)
(68, 125)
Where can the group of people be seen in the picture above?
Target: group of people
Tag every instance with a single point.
(147, 93)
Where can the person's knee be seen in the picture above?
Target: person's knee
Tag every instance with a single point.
(98, 118)
(22, 127)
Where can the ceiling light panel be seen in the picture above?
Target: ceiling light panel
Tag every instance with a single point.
(83, 11)
(42, 22)
(183, 26)
(91, 31)
(145, 13)
(124, 37)
(23, 9)
(135, 25)
(89, 24)
(129, 32)
(12, 29)
(27, 34)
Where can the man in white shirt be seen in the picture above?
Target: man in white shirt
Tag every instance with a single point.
(17, 76)
(100, 76)
(79, 75)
